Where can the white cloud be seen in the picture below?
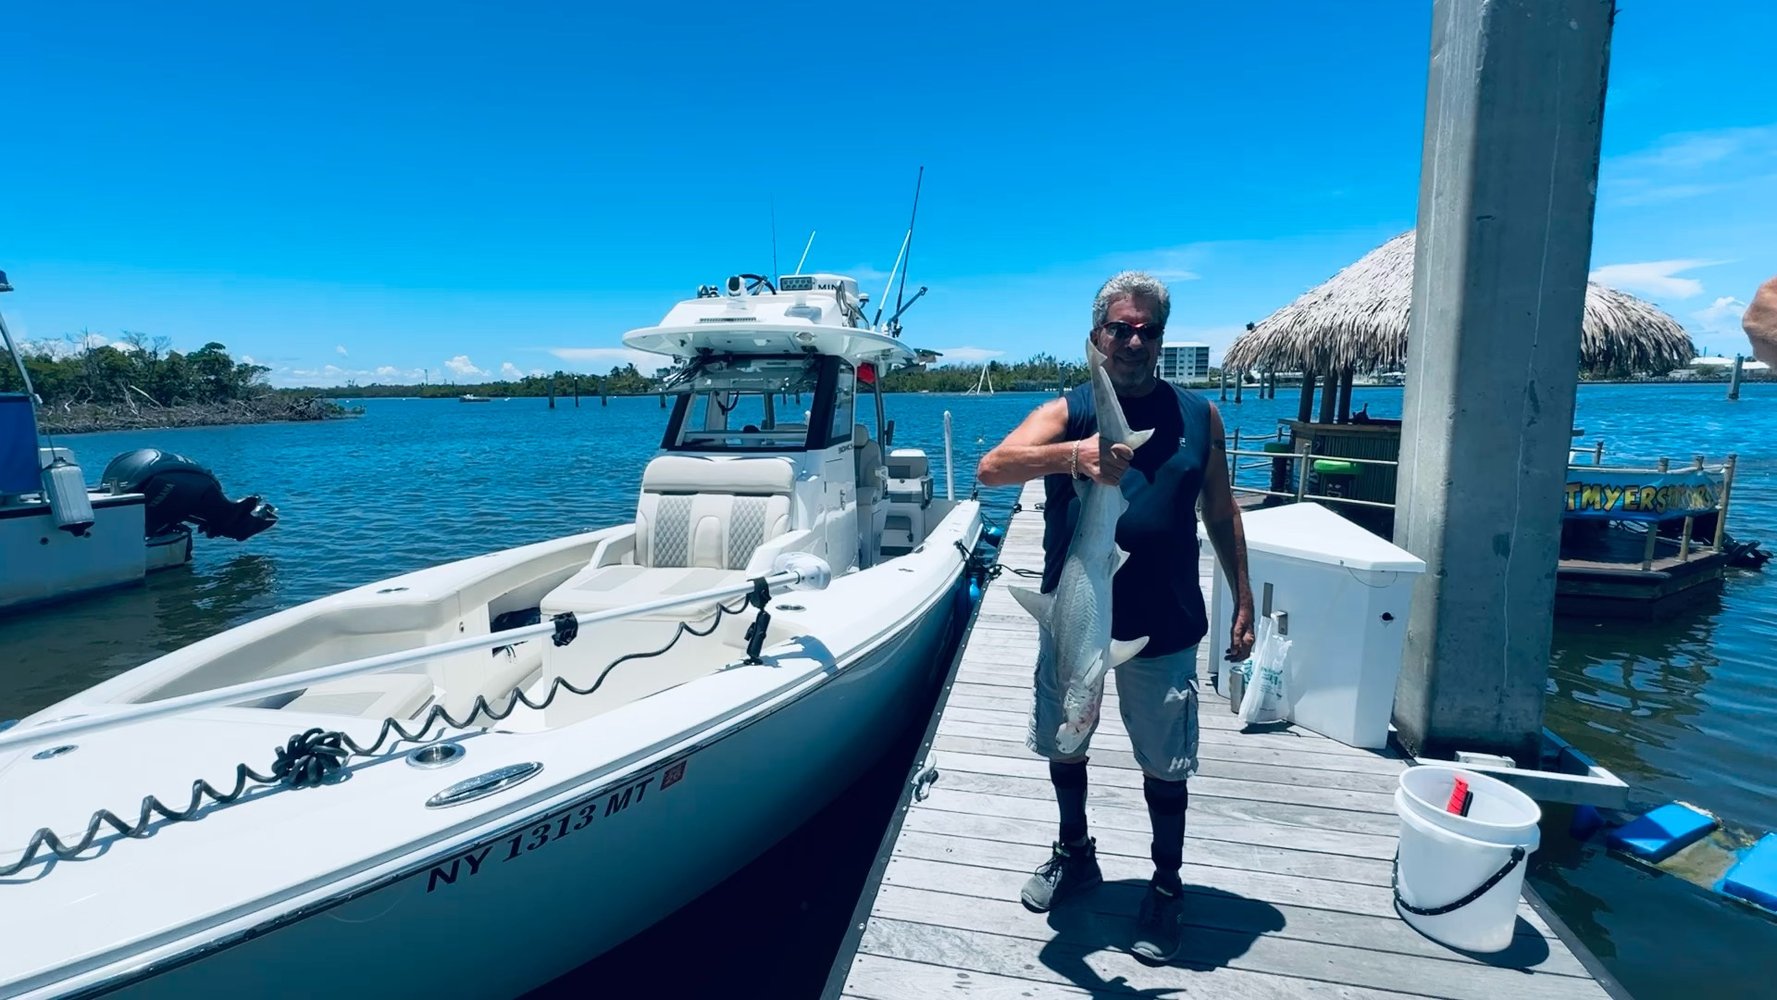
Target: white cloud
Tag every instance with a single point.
(342, 350)
(1721, 318)
(966, 355)
(462, 366)
(1686, 165)
(509, 370)
(247, 359)
(1657, 278)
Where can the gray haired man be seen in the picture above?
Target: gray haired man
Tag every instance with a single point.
(1155, 593)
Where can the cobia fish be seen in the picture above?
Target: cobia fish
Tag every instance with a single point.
(1076, 615)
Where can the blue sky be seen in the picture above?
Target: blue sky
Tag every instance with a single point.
(362, 191)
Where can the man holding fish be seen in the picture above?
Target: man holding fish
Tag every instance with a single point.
(1126, 458)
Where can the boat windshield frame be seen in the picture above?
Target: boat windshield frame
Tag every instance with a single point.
(755, 384)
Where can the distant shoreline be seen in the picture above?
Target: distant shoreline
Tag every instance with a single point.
(88, 418)
(1747, 379)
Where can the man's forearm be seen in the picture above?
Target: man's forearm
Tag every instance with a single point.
(1010, 464)
(1228, 537)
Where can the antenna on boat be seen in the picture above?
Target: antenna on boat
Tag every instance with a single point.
(805, 250)
(777, 276)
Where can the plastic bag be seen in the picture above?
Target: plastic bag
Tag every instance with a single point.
(1264, 698)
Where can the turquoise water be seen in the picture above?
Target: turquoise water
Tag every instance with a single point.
(1680, 709)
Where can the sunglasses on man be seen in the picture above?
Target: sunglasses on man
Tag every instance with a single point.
(1120, 330)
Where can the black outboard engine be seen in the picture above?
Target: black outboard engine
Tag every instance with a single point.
(179, 490)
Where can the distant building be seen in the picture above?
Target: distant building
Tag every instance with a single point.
(1185, 362)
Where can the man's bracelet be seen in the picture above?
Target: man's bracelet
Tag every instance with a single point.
(1073, 461)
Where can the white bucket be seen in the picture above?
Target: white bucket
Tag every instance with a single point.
(1444, 857)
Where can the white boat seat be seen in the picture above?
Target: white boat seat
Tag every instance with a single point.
(711, 512)
(698, 521)
(369, 696)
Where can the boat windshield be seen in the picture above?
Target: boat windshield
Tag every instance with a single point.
(749, 403)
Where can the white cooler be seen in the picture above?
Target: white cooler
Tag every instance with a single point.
(1345, 593)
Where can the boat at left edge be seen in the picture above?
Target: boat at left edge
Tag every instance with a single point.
(471, 779)
(62, 538)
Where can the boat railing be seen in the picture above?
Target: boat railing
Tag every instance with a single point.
(1304, 458)
(796, 571)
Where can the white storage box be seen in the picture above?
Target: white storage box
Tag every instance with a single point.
(1344, 593)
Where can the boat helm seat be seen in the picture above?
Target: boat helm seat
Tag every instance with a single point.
(698, 521)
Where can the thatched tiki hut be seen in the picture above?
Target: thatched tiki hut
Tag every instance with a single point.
(1355, 324)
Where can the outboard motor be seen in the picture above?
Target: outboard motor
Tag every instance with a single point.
(180, 490)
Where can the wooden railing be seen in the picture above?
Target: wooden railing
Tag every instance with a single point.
(1304, 457)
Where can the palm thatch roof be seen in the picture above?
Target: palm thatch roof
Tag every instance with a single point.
(1357, 320)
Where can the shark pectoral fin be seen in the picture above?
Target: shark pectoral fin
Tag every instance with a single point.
(1041, 606)
(1124, 650)
(1082, 487)
(1119, 559)
(1138, 438)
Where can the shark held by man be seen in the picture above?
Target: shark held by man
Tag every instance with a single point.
(1076, 615)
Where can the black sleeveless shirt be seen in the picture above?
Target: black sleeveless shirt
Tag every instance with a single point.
(1156, 593)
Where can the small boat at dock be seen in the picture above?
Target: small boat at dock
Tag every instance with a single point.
(468, 780)
(63, 538)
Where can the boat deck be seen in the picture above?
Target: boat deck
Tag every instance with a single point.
(1290, 837)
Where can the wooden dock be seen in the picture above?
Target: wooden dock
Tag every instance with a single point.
(1289, 842)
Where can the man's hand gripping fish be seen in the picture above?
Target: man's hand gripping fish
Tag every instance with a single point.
(1077, 613)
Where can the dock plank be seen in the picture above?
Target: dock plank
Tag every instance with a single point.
(1290, 839)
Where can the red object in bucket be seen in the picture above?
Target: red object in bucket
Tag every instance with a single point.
(1460, 797)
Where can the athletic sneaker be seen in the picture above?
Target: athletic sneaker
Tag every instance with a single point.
(1068, 871)
(1158, 928)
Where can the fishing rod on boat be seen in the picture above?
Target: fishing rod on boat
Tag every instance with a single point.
(899, 308)
(906, 243)
(795, 570)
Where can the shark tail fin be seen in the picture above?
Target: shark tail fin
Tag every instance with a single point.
(1041, 606)
(1124, 650)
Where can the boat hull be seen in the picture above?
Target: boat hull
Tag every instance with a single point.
(544, 895)
(43, 563)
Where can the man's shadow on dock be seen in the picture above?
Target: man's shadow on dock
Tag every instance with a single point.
(1219, 927)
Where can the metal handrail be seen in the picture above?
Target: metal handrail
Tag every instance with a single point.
(802, 569)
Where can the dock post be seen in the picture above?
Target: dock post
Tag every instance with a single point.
(1224, 372)
(1653, 529)
(1721, 506)
(1499, 281)
(1239, 384)
(1734, 379)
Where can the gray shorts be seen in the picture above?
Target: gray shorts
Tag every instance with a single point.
(1157, 698)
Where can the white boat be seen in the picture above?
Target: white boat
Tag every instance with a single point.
(62, 538)
(661, 742)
